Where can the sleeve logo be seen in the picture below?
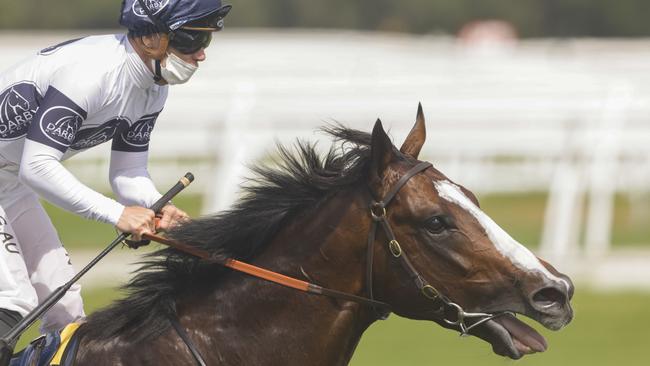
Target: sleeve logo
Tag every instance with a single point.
(140, 133)
(62, 124)
(18, 106)
(89, 137)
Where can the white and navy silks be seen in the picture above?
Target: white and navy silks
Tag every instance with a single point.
(66, 99)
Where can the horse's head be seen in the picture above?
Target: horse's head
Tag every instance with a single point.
(458, 257)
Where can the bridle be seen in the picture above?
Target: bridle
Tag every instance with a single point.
(379, 218)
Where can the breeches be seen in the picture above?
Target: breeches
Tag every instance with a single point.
(33, 263)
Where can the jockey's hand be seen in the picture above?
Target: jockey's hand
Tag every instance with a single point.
(171, 216)
(137, 221)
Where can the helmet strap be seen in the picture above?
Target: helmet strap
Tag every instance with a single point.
(157, 73)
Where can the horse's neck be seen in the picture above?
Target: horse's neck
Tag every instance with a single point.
(285, 326)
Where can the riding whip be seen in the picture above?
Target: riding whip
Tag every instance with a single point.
(6, 347)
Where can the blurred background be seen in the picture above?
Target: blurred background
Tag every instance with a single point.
(540, 107)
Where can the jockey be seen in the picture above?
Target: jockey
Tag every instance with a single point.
(69, 98)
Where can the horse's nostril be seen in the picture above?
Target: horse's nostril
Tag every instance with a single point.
(548, 297)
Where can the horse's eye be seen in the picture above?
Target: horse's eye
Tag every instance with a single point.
(436, 224)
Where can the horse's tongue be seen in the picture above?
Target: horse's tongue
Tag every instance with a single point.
(525, 338)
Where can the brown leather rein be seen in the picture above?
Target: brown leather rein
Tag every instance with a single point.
(266, 274)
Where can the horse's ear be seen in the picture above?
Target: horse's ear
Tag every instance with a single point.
(415, 140)
(381, 149)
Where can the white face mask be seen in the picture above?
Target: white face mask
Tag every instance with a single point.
(176, 71)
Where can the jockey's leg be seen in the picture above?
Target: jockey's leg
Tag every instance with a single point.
(48, 263)
(17, 295)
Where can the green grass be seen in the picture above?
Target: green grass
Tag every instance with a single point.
(609, 329)
(632, 215)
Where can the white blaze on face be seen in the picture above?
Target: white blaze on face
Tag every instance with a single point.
(518, 254)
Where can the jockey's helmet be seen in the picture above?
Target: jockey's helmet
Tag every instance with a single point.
(144, 17)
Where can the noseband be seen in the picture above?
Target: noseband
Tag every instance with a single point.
(445, 305)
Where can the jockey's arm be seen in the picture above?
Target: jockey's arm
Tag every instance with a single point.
(132, 185)
(43, 172)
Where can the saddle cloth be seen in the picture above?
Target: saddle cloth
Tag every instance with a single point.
(52, 349)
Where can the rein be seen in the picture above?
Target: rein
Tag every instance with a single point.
(265, 274)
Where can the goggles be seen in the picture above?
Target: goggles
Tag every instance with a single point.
(189, 41)
(197, 34)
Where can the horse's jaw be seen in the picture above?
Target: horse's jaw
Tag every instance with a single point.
(511, 337)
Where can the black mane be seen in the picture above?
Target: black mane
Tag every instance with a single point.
(271, 198)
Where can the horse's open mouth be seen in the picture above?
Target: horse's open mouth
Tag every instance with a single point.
(511, 337)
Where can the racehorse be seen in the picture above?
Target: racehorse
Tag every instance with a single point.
(366, 219)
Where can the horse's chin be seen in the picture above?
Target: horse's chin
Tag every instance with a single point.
(511, 337)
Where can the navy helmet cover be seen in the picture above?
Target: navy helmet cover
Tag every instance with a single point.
(172, 14)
